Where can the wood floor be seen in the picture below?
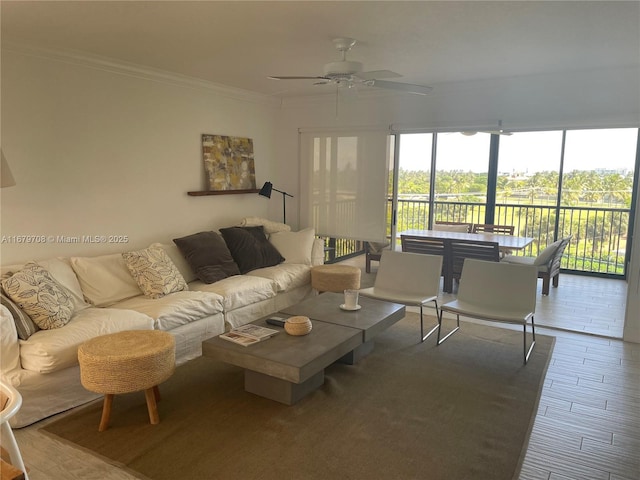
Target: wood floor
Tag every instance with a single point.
(587, 425)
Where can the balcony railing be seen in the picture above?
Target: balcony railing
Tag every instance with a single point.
(598, 243)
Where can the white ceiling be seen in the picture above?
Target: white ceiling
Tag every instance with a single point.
(240, 43)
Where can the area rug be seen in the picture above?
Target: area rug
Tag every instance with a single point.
(409, 410)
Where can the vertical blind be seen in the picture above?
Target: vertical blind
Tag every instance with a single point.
(345, 176)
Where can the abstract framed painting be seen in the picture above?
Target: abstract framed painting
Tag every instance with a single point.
(228, 163)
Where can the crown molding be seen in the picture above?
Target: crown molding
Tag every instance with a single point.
(120, 67)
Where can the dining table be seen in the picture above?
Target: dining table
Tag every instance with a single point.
(505, 243)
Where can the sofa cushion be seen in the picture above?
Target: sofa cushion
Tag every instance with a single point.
(208, 255)
(250, 248)
(518, 260)
(175, 309)
(295, 247)
(178, 260)
(154, 272)
(239, 290)
(25, 327)
(105, 279)
(48, 351)
(545, 256)
(41, 297)
(287, 276)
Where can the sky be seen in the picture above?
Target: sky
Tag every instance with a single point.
(530, 152)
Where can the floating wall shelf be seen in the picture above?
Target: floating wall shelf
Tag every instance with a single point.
(202, 193)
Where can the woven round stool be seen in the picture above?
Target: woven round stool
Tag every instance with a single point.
(124, 362)
(335, 278)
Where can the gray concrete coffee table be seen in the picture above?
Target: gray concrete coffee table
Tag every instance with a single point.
(374, 317)
(285, 368)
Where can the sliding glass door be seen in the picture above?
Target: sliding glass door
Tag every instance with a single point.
(547, 184)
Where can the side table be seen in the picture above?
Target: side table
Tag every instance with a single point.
(335, 278)
(129, 361)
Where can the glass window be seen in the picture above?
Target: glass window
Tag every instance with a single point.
(598, 167)
(462, 164)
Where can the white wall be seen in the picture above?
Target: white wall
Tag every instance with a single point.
(632, 318)
(98, 152)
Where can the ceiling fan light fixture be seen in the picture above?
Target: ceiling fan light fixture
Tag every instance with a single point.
(345, 67)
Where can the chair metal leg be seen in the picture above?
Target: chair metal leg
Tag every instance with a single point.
(451, 332)
(437, 327)
(533, 340)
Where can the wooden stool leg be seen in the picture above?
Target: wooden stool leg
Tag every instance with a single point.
(154, 418)
(106, 412)
(156, 393)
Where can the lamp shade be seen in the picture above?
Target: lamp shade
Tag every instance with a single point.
(6, 177)
(265, 191)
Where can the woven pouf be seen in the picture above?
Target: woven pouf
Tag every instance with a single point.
(124, 362)
(335, 278)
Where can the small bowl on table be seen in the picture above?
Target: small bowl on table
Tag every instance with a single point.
(298, 325)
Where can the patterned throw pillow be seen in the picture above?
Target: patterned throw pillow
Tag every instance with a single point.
(24, 325)
(41, 297)
(154, 272)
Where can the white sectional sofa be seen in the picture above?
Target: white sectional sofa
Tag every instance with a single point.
(106, 299)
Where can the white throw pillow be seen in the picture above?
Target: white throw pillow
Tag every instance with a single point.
(154, 272)
(179, 261)
(295, 247)
(105, 279)
(60, 269)
(41, 297)
(545, 255)
(269, 226)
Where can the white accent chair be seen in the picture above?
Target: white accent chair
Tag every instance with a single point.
(412, 279)
(495, 291)
(8, 440)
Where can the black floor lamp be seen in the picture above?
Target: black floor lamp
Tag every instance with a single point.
(265, 191)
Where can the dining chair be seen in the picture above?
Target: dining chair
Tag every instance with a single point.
(411, 279)
(424, 245)
(490, 228)
(547, 262)
(460, 250)
(495, 291)
(13, 403)
(373, 251)
(461, 227)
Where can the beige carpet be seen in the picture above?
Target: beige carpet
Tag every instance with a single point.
(462, 410)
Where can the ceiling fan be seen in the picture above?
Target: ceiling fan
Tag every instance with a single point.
(348, 73)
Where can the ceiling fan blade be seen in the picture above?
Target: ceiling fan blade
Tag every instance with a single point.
(404, 87)
(378, 74)
(298, 78)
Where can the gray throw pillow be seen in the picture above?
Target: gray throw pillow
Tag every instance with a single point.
(250, 248)
(208, 256)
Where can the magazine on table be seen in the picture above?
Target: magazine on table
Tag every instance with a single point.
(248, 334)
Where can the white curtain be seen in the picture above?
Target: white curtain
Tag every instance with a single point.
(346, 179)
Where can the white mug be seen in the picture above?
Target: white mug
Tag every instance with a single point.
(351, 299)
